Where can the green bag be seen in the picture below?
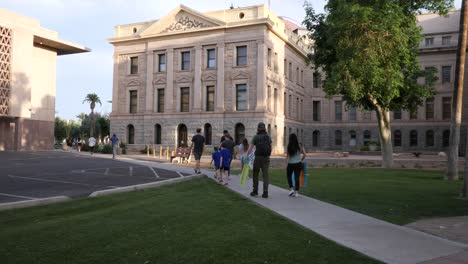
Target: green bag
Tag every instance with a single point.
(244, 174)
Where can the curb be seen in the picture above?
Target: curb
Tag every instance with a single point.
(44, 201)
(146, 185)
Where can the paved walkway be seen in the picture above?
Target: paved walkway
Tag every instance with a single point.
(375, 238)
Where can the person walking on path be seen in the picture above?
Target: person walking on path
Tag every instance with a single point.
(198, 141)
(294, 158)
(80, 143)
(115, 144)
(228, 142)
(91, 144)
(262, 143)
(225, 165)
(216, 160)
(243, 147)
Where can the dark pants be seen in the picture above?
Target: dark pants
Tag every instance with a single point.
(262, 163)
(296, 168)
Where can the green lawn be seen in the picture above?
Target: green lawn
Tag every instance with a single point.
(397, 196)
(192, 222)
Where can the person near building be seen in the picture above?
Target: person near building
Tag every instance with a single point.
(228, 142)
(262, 143)
(242, 151)
(225, 165)
(294, 158)
(80, 144)
(91, 144)
(115, 144)
(198, 142)
(216, 160)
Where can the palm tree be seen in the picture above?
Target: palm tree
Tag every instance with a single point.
(92, 99)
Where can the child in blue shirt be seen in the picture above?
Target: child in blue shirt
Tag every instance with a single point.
(225, 165)
(216, 159)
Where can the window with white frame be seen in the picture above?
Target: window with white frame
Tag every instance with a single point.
(241, 55)
(210, 58)
(185, 61)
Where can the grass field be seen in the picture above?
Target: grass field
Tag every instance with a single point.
(192, 222)
(393, 195)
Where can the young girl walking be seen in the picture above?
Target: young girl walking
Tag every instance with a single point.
(295, 156)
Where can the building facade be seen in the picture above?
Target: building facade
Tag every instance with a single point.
(28, 54)
(231, 69)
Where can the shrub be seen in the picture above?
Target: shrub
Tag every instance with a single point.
(106, 149)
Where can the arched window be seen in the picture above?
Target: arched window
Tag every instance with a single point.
(413, 138)
(207, 130)
(429, 138)
(366, 137)
(240, 133)
(397, 138)
(316, 138)
(352, 138)
(157, 134)
(338, 137)
(130, 134)
(182, 136)
(446, 138)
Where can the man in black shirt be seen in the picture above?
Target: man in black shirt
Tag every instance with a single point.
(198, 141)
(228, 142)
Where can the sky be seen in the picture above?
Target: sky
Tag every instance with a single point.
(91, 22)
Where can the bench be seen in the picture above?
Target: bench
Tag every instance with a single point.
(182, 155)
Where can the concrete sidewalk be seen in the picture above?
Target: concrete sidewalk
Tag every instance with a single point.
(375, 238)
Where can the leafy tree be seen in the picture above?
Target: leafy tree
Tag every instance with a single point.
(60, 130)
(369, 53)
(102, 126)
(92, 99)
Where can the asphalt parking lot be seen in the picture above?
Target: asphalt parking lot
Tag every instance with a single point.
(36, 175)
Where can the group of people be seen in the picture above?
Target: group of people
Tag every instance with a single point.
(260, 145)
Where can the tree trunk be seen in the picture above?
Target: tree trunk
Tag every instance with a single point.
(385, 137)
(91, 124)
(452, 166)
(464, 191)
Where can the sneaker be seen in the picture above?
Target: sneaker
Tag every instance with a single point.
(291, 193)
(254, 193)
(265, 195)
(296, 194)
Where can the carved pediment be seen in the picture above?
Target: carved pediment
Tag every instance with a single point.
(240, 75)
(209, 77)
(179, 20)
(186, 22)
(134, 83)
(160, 80)
(184, 79)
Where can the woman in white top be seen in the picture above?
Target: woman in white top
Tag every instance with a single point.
(243, 147)
(295, 156)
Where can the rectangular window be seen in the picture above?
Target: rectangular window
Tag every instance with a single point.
(285, 104)
(210, 98)
(161, 62)
(133, 101)
(184, 99)
(446, 108)
(241, 53)
(430, 108)
(446, 70)
(290, 76)
(316, 110)
(275, 101)
(446, 40)
(297, 75)
(397, 114)
(352, 114)
(285, 67)
(366, 115)
(338, 110)
(316, 80)
(241, 97)
(276, 62)
(429, 71)
(302, 77)
(133, 65)
(211, 58)
(160, 100)
(269, 58)
(429, 42)
(269, 98)
(185, 61)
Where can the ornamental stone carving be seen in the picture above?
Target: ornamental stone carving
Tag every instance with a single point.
(185, 23)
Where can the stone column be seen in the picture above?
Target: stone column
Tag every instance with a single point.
(261, 98)
(115, 85)
(220, 78)
(197, 89)
(169, 91)
(149, 82)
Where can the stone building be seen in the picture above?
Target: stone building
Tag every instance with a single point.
(28, 54)
(233, 68)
